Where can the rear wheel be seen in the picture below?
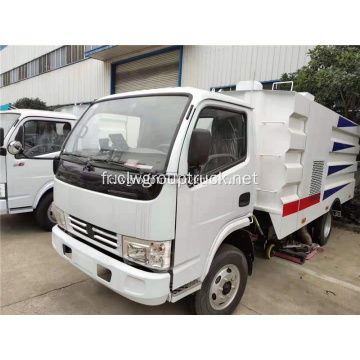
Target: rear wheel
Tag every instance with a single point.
(223, 286)
(322, 228)
(43, 213)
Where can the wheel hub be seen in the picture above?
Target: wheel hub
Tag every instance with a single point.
(224, 287)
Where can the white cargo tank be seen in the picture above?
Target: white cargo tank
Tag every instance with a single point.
(306, 156)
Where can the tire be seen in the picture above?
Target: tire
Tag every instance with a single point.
(43, 213)
(270, 250)
(322, 228)
(227, 258)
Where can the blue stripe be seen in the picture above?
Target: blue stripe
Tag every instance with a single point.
(328, 193)
(98, 49)
(341, 146)
(2, 47)
(112, 79)
(343, 122)
(335, 168)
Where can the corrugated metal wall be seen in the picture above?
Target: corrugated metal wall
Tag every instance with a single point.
(15, 55)
(212, 66)
(80, 82)
(202, 66)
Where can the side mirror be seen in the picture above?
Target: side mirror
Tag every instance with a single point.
(15, 147)
(1, 137)
(199, 148)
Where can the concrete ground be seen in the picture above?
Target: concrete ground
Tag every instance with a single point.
(35, 280)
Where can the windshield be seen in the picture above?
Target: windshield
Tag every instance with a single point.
(7, 121)
(137, 131)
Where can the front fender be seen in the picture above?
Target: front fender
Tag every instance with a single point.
(228, 229)
(42, 191)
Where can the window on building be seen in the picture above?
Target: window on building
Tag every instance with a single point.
(55, 59)
(228, 138)
(81, 49)
(41, 64)
(91, 47)
(21, 73)
(74, 53)
(68, 54)
(63, 56)
(29, 69)
(36, 65)
(7, 78)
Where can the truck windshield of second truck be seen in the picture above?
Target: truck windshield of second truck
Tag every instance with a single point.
(134, 131)
(7, 121)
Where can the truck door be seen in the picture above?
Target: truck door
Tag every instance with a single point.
(31, 171)
(206, 209)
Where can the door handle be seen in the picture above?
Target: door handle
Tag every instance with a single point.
(244, 199)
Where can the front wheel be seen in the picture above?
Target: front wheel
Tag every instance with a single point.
(224, 285)
(43, 213)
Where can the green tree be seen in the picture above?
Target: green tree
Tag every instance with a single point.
(333, 77)
(30, 103)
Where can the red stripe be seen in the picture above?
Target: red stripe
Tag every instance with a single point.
(291, 208)
(309, 201)
(298, 205)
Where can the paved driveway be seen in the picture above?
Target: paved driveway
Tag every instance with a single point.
(35, 280)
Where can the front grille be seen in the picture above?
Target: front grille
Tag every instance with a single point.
(102, 236)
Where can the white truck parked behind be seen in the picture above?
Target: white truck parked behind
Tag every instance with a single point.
(29, 141)
(164, 242)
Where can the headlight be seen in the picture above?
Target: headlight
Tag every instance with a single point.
(59, 216)
(153, 254)
(2, 190)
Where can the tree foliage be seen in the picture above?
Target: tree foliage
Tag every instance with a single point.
(333, 77)
(30, 103)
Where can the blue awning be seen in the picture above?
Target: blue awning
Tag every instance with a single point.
(4, 107)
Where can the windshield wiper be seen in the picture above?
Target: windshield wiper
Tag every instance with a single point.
(74, 155)
(116, 163)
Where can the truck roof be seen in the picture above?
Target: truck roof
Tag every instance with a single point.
(197, 94)
(42, 113)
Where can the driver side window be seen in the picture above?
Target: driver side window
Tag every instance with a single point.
(228, 138)
(44, 137)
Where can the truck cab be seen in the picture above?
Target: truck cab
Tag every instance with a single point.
(159, 194)
(160, 242)
(30, 139)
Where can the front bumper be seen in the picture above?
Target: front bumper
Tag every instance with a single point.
(3, 207)
(141, 286)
